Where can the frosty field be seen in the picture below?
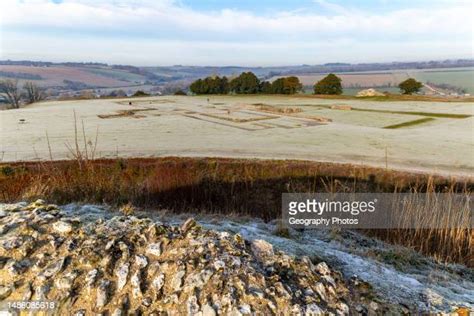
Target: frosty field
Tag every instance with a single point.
(434, 137)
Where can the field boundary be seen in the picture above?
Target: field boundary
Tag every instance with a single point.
(410, 123)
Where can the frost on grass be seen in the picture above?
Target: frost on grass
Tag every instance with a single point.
(105, 261)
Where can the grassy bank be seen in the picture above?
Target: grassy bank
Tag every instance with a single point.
(410, 123)
(247, 187)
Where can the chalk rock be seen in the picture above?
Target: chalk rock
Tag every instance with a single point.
(62, 227)
(369, 93)
(5, 291)
(177, 280)
(261, 249)
(154, 249)
(323, 268)
(103, 293)
(122, 274)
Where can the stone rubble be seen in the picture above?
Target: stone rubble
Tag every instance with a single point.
(369, 93)
(127, 265)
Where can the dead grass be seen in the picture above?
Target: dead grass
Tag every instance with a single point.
(225, 186)
(134, 102)
(128, 209)
(341, 107)
(125, 113)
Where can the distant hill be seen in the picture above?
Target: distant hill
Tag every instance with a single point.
(73, 76)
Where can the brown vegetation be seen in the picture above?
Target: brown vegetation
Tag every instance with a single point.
(341, 107)
(274, 109)
(124, 113)
(247, 187)
(232, 186)
(12, 94)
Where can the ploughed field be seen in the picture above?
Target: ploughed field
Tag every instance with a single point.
(433, 137)
(389, 80)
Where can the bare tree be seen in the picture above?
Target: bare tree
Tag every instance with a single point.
(10, 89)
(33, 92)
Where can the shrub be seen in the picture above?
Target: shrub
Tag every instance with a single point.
(180, 92)
(140, 93)
(7, 170)
(246, 83)
(331, 84)
(266, 87)
(410, 86)
(287, 85)
(210, 85)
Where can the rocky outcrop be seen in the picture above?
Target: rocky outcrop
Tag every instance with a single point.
(130, 265)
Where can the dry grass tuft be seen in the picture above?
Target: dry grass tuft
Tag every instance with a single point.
(128, 209)
(125, 113)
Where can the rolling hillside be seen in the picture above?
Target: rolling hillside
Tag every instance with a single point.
(59, 78)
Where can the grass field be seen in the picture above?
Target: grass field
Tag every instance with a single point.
(110, 151)
(118, 74)
(389, 80)
(462, 78)
(109, 77)
(239, 126)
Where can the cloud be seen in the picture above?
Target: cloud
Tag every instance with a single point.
(172, 23)
(153, 16)
(171, 52)
(334, 7)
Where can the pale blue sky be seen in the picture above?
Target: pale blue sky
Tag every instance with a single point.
(235, 32)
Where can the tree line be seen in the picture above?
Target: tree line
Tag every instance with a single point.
(15, 95)
(245, 83)
(248, 83)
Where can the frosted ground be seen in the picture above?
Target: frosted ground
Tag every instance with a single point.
(413, 281)
(235, 126)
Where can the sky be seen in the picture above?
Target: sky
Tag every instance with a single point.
(236, 32)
